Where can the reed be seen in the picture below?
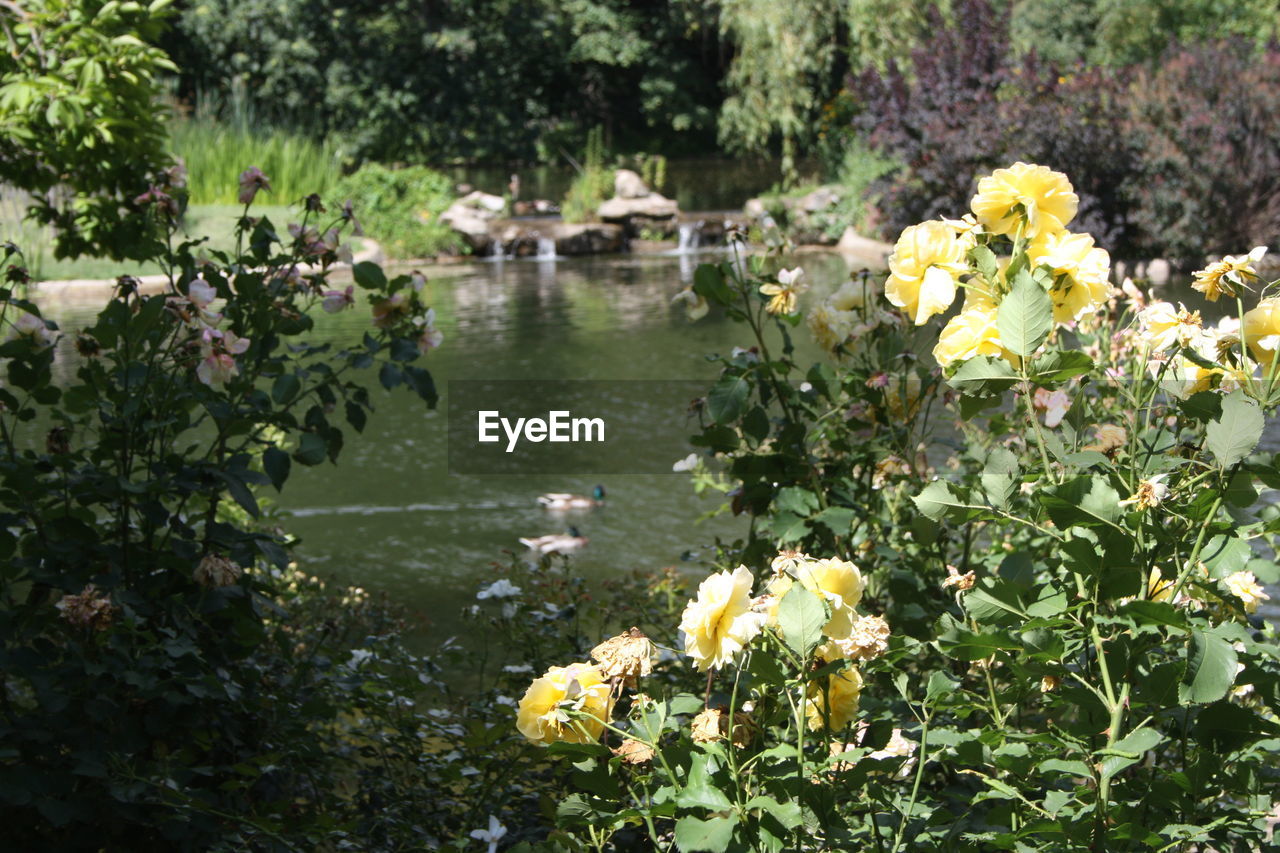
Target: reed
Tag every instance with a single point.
(216, 153)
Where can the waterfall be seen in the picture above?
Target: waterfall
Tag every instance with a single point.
(546, 249)
(687, 234)
(499, 251)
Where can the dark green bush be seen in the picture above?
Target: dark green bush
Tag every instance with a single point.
(401, 208)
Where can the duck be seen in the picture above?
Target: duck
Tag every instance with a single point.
(556, 543)
(561, 501)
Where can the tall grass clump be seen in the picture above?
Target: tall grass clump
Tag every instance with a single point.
(215, 153)
(592, 186)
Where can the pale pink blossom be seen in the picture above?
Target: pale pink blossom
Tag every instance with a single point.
(252, 180)
(1054, 404)
(338, 300)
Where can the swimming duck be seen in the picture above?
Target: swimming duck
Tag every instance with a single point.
(560, 501)
(556, 543)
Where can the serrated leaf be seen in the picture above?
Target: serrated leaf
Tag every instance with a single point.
(837, 519)
(728, 398)
(983, 375)
(1059, 366)
(709, 836)
(1127, 751)
(940, 498)
(277, 464)
(1236, 432)
(1085, 501)
(1211, 669)
(1025, 316)
(801, 615)
(369, 275)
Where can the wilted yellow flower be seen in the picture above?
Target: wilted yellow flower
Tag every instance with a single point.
(831, 702)
(1036, 195)
(627, 655)
(890, 466)
(961, 582)
(902, 396)
(712, 724)
(788, 561)
(854, 294)
(1163, 325)
(546, 714)
(1151, 492)
(1081, 271)
(1229, 275)
(89, 609)
(719, 622)
(867, 641)
(634, 752)
(1049, 683)
(1262, 330)
(830, 327)
(841, 584)
(1244, 586)
(1158, 589)
(1110, 437)
(970, 333)
(926, 263)
(784, 293)
(215, 571)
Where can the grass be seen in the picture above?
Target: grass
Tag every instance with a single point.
(216, 153)
(215, 221)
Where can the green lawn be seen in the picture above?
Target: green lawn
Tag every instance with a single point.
(215, 221)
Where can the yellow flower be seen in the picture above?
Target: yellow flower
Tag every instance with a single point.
(1262, 330)
(830, 326)
(695, 307)
(1227, 276)
(831, 702)
(1158, 589)
(1110, 437)
(1244, 586)
(1163, 325)
(547, 713)
(1082, 272)
(1036, 195)
(970, 333)
(903, 396)
(1151, 493)
(841, 584)
(720, 622)
(784, 293)
(627, 655)
(853, 294)
(867, 641)
(926, 263)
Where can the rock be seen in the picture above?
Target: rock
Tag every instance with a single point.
(863, 252)
(653, 212)
(823, 198)
(588, 238)
(627, 184)
(470, 216)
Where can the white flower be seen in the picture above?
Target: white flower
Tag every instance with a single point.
(492, 835)
(201, 293)
(499, 589)
(686, 464)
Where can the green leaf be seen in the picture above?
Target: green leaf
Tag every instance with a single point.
(788, 814)
(277, 464)
(801, 616)
(1127, 751)
(286, 387)
(369, 276)
(1085, 501)
(1225, 726)
(1060, 366)
(700, 791)
(1211, 669)
(837, 519)
(728, 398)
(1236, 432)
(1025, 316)
(240, 492)
(939, 498)
(712, 835)
(1000, 476)
(312, 449)
(983, 375)
(960, 643)
(709, 283)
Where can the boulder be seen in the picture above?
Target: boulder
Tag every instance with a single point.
(627, 184)
(863, 252)
(587, 238)
(470, 217)
(653, 212)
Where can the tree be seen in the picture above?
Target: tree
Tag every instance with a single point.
(80, 110)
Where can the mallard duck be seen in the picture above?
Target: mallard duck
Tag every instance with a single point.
(560, 501)
(556, 543)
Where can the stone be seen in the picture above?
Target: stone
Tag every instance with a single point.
(587, 238)
(654, 213)
(627, 184)
(470, 216)
(863, 252)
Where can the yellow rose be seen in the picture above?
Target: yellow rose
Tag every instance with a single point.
(833, 700)
(926, 263)
(830, 327)
(1036, 195)
(841, 584)
(1163, 325)
(719, 622)
(1082, 272)
(543, 715)
(970, 333)
(1228, 275)
(1244, 586)
(1262, 330)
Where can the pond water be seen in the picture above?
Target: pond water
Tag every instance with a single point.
(392, 517)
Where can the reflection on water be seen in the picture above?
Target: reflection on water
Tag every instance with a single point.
(393, 518)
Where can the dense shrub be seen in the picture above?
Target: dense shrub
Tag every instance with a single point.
(401, 208)
(1173, 161)
(161, 684)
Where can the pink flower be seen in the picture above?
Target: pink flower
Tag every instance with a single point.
(201, 293)
(431, 337)
(252, 180)
(878, 380)
(338, 300)
(217, 365)
(1053, 403)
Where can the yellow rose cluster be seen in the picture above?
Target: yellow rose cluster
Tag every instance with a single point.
(1031, 206)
